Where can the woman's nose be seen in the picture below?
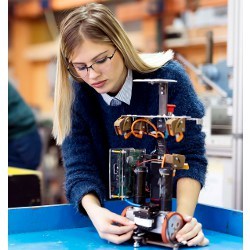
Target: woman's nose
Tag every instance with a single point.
(92, 73)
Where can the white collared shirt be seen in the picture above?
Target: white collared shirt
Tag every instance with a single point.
(124, 95)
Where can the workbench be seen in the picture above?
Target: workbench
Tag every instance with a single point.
(61, 227)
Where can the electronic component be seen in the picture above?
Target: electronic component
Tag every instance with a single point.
(122, 163)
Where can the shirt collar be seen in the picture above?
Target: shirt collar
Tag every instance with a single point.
(124, 95)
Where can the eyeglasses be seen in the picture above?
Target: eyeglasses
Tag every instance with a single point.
(80, 71)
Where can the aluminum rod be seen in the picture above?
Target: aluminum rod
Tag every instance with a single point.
(235, 55)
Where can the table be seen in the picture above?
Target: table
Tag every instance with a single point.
(61, 227)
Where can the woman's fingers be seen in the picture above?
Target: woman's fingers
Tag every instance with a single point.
(204, 242)
(119, 230)
(199, 240)
(191, 233)
(122, 220)
(187, 228)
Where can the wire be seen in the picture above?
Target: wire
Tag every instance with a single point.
(140, 133)
(140, 163)
(131, 203)
(163, 161)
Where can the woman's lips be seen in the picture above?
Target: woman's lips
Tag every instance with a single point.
(98, 84)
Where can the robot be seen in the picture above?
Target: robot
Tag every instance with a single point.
(148, 178)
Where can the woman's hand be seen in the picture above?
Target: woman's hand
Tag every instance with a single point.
(110, 226)
(192, 233)
(187, 196)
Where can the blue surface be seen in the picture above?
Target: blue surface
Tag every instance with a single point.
(88, 238)
(60, 227)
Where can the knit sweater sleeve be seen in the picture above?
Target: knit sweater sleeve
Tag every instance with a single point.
(183, 95)
(82, 174)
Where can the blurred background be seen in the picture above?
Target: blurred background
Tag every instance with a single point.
(205, 36)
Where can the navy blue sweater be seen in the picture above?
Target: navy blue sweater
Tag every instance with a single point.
(86, 149)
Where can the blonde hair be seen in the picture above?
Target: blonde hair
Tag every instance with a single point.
(97, 23)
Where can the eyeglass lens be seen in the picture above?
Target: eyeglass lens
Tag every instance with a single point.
(80, 71)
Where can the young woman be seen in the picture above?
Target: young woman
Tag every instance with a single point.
(97, 54)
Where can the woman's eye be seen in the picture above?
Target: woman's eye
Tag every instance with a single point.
(80, 68)
(103, 60)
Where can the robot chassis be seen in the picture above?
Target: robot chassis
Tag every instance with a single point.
(133, 173)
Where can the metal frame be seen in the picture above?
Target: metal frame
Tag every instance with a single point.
(235, 63)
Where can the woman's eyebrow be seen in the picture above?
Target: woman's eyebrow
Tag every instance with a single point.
(92, 58)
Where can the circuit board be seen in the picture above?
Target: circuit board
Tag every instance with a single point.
(122, 164)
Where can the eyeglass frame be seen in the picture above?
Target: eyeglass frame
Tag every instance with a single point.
(87, 67)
